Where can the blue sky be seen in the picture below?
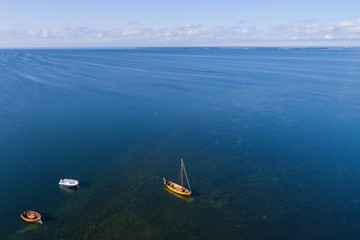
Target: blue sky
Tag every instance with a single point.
(110, 23)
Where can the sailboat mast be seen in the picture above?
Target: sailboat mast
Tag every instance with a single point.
(182, 173)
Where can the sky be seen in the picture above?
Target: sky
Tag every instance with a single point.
(183, 23)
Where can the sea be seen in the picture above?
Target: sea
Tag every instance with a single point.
(270, 138)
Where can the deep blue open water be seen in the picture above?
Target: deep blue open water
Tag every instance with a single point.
(270, 139)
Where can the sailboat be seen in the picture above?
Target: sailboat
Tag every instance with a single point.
(179, 187)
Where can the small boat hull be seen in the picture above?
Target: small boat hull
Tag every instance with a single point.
(31, 216)
(176, 188)
(69, 183)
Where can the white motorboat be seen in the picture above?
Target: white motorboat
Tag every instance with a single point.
(66, 182)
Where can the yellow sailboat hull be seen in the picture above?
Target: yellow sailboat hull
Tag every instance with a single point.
(176, 188)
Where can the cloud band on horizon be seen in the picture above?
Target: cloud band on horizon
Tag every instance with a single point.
(345, 32)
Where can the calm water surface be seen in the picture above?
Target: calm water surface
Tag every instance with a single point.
(270, 140)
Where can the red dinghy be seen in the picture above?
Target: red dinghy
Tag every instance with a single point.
(31, 216)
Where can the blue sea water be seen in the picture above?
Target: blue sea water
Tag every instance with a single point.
(269, 137)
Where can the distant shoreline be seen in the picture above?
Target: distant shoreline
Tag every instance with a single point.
(199, 47)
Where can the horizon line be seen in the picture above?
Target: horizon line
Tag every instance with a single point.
(184, 47)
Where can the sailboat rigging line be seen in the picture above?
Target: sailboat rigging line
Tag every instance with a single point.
(187, 179)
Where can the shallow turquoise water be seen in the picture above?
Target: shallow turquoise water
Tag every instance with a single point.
(270, 139)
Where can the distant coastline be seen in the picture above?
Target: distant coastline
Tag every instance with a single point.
(195, 47)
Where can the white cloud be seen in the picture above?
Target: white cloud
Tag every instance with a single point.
(294, 38)
(313, 29)
(352, 26)
(44, 33)
(328, 36)
(343, 30)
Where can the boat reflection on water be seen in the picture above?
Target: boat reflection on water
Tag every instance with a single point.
(29, 227)
(185, 198)
(67, 189)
